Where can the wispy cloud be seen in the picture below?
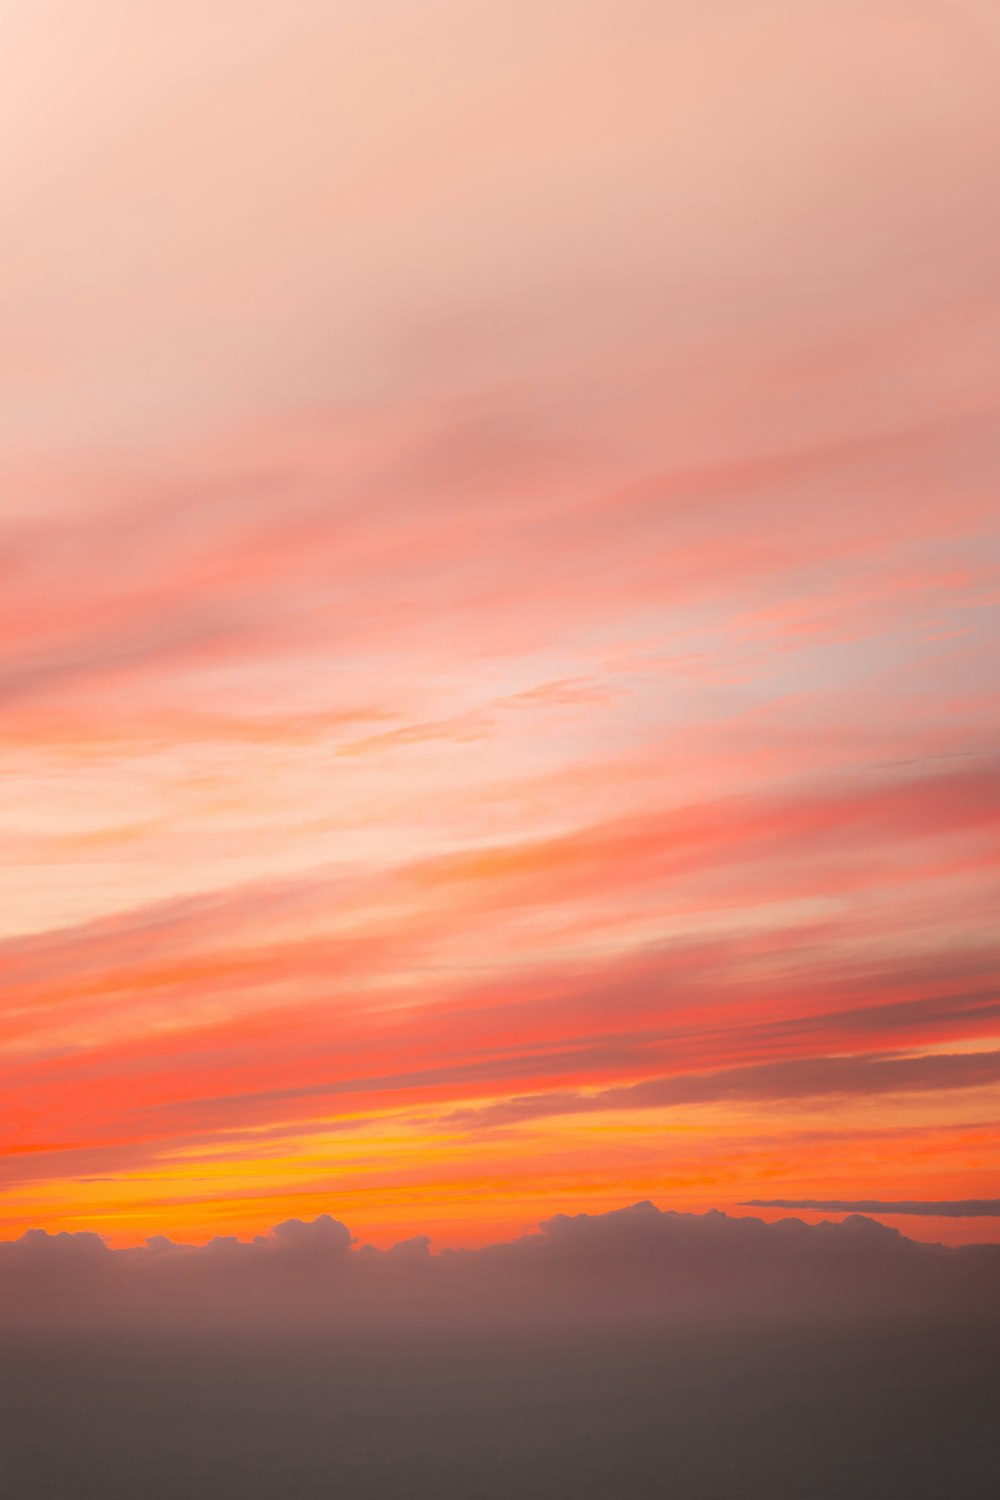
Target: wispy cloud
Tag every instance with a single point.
(969, 1208)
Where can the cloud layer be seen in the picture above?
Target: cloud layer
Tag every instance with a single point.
(632, 1264)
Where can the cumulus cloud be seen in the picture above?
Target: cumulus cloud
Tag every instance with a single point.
(638, 1262)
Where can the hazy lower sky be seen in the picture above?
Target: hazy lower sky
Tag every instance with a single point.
(498, 611)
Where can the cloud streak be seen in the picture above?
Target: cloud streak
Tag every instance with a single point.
(809, 1078)
(970, 1208)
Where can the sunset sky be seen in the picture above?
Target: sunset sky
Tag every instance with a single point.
(499, 583)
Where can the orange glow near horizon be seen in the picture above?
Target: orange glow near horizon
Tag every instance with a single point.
(499, 577)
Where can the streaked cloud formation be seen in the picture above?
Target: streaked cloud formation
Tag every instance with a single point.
(971, 1208)
(498, 612)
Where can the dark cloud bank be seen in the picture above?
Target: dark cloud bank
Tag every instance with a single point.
(637, 1262)
(627, 1355)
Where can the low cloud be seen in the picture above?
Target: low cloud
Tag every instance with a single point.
(634, 1263)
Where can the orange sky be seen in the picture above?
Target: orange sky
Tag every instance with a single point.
(498, 620)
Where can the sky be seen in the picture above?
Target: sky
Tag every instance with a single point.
(499, 572)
